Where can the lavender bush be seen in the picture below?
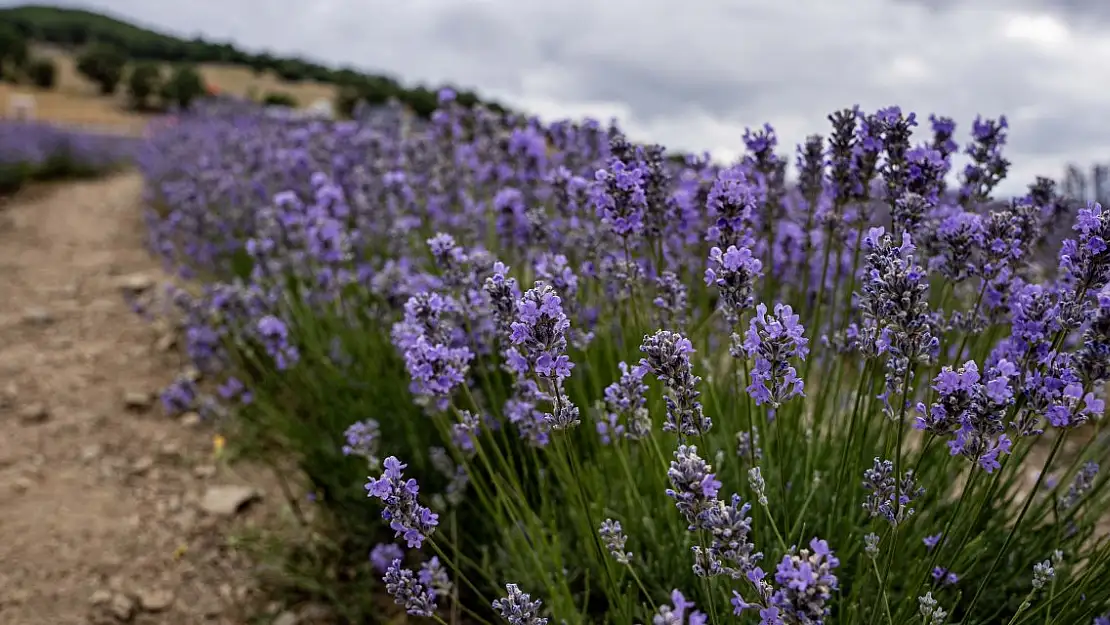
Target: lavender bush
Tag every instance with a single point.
(39, 151)
(594, 383)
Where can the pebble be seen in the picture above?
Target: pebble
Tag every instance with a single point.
(137, 400)
(142, 465)
(23, 484)
(34, 413)
(190, 419)
(123, 607)
(227, 500)
(166, 342)
(155, 600)
(135, 283)
(91, 452)
(204, 471)
(100, 597)
(38, 316)
(286, 618)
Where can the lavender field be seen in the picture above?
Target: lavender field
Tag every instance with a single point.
(537, 373)
(35, 151)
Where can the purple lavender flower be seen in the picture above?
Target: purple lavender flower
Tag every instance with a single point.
(671, 301)
(407, 518)
(772, 340)
(894, 304)
(1082, 484)
(889, 499)
(931, 541)
(681, 612)
(693, 484)
(503, 293)
(384, 554)
(518, 608)
(434, 577)
(731, 203)
(540, 333)
(806, 582)
(619, 197)
(274, 335)
(612, 536)
(944, 576)
(667, 357)
(731, 551)
(734, 273)
(625, 403)
(406, 590)
(363, 438)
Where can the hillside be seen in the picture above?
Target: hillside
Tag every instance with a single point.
(71, 29)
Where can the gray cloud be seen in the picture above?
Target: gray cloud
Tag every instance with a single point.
(695, 76)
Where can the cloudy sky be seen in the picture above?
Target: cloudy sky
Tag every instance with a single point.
(695, 74)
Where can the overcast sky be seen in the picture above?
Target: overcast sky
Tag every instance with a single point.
(693, 74)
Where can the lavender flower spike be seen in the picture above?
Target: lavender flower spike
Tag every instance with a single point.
(772, 340)
(518, 608)
(406, 516)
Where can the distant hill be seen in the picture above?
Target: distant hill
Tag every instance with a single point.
(74, 28)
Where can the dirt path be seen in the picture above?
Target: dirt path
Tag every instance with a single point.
(108, 508)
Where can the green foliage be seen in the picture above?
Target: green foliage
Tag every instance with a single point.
(183, 87)
(43, 72)
(293, 70)
(75, 27)
(13, 51)
(103, 64)
(144, 82)
(279, 98)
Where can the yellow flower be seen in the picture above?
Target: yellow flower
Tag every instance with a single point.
(218, 444)
(180, 551)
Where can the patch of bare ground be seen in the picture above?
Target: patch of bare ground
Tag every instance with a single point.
(110, 511)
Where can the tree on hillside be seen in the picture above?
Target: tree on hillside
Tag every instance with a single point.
(184, 86)
(102, 64)
(43, 72)
(13, 51)
(144, 82)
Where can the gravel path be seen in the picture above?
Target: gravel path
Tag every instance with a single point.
(110, 511)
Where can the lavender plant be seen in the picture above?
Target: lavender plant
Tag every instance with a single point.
(618, 379)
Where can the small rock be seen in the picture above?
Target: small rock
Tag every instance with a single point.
(166, 342)
(137, 400)
(123, 607)
(315, 612)
(100, 597)
(34, 413)
(91, 452)
(142, 465)
(155, 600)
(190, 419)
(38, 316)
(135, 283)
(204, 471)
(227, 500)
(23, 484)
(286, 618)
(191, 373)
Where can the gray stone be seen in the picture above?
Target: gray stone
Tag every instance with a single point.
(38, 316)
(286, 618)
(227, 500)
(34, 414)
(135, 283)
(155, 600)
(137, 400)
(123, 607)
(100, 597)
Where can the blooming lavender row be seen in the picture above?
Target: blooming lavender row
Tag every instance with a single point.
(873, 395)
(34, 150)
